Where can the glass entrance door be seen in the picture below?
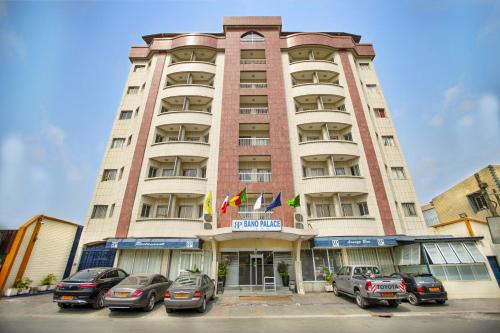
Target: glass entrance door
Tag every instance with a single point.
(256, 270)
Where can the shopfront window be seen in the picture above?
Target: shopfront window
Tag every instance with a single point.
(315, 261)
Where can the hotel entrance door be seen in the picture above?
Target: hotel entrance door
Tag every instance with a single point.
(256, 270)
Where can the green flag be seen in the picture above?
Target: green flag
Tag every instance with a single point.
(294, 202)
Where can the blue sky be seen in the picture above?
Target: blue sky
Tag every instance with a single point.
(64, 65)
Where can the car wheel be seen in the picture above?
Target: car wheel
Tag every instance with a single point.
(413, 299)
(63, 305)
(151, 303)
(393, 304)
(169, 310)
(360, 300)
(203, 306)
(99, 302)
(440, 301)
(335, 290)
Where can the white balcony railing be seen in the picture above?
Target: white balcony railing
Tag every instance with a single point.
(255, 215)
(263, 110)
(167, 110)
(255, 141)
(325, 60)
(248, 85)
(320, 110)
(258, 177)
(252, 61)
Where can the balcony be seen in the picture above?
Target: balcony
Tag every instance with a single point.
(254, 135)
(309, 53)
(178, 184)
(255, 142)
(185, 110)
(252, 57)
(316, 83)
(314, 65)
(255, 169)
(255, 177)
(181, 139)
(345, 226)
(253, 80)
(183, 209)
(193, 55)
(254, 105)
(339, 183)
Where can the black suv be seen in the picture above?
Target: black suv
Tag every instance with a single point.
(423, 287)
(88, 286)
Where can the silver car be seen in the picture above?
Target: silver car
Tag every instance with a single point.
(190, 291)
(137, 291)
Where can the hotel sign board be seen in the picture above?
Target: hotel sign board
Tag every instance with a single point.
(256, 225)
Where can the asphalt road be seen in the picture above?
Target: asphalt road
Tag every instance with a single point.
(455, 323)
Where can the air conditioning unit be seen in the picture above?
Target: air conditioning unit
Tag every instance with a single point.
(298, 217)
(207, 226)
(299, 225)
(207, 218)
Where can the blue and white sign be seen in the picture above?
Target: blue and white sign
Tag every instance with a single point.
(256, 225)
(354, 242)
(153, 243)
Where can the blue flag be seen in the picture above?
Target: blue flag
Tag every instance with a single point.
(275, 203)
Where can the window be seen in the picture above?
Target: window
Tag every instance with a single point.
(125, 115)
(121, 173)
(372, 88)
(152, 172)
(388, 141)
(139, 68)
(117, 143)
(312, 138)
(252, 37)
(145, 210)
(134, 90)
(322, 210)
(341, 107)
(379, 113)
(363, 208)
(158, 138)
(189, 173)
(109, 174)
(111, 210)
(355, 170)
(317, 172)
(477, 201)
(167, 173)
(162, 211)
(245, 174)
(398, 173)
(339, 171)
(474, 251)
(462, 253)
(364, 66)
(185, 212)
(434, 254)
(347, 210)
(348, 137)
(129, 140)
(409, 208)
(99, 211)
(448, 253)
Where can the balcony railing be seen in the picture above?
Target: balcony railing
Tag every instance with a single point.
(321, 110)
(253, 110)
(325, 60)
(255, 215)
(255, 141)
(252, 85)
(258, 177)
(167, 110)
(252, 41)
(252, 61)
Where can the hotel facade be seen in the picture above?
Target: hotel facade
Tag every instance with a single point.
(271, 112)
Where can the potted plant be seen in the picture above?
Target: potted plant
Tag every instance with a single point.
(47, 282)
(23, 285)
(328, 279)
(283, 271)
(11, 291)
(222, 273)
(52, 281)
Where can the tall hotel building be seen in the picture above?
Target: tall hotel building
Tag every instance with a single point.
(253, 108)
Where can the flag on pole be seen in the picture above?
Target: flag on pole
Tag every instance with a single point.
(223, 208)
(294, 202)
(239, 199)
(275, 203)
(258, 202)
(207, 206)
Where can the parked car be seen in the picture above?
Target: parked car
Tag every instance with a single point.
(137, 291)
(87, 286)
(423, 287)
(190, 291)
(367, 285)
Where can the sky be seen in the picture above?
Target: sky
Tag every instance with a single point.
(64, 65)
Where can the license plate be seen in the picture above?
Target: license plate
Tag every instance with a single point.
(181, 295)
(67, 297)
(433, 289)
(121, 294)
(387, 294)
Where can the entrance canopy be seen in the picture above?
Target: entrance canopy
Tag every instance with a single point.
(153, 243)
(289, 234)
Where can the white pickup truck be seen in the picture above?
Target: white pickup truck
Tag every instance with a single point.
(368, 285)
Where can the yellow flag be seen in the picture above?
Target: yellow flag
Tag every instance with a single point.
(207, 207)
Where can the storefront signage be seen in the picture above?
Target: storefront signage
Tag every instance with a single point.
(153, 243)
(353, 242)
(256, 225)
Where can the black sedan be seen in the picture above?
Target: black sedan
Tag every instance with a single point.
(190, 291)
(87, 286)
(423, 287)
(137, 291)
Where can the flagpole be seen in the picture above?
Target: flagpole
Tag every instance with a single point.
(282, 210)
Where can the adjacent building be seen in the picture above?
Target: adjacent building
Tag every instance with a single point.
(205, 116)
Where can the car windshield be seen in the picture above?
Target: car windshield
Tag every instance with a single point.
(138, 280)
(86, 275)
(366, 270)
(425, 279)
(186, 281)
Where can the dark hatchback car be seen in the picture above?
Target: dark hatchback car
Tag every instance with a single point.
(137, 291)
(190, 291)
(423, 287)
(87, 286)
